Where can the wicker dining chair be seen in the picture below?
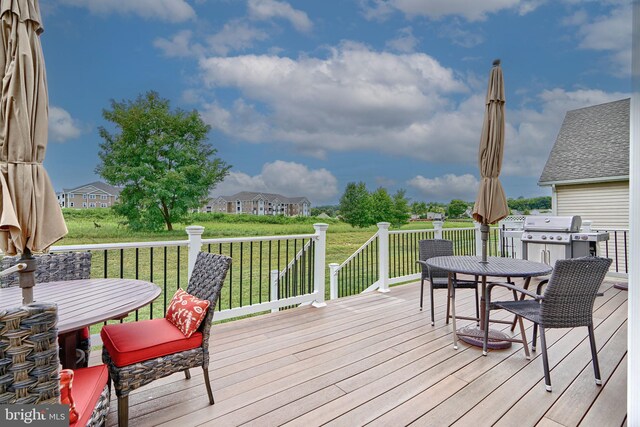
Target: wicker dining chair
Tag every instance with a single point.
(137, 354)
(567, 302)
(439, 279)
(29, 365)
(51, 268)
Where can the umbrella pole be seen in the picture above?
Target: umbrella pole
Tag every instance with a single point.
(27, 277)
(484, 236)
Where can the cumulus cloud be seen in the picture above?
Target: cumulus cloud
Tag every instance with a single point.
(610, 33)
(62, 127)
(162, 10)
(446, 187)
(405, 42)
(354, 99)
(287, 178)
(179, 45)
(357, 99)
(437, 9)
(269, 9)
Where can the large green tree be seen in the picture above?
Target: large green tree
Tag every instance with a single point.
(456, 208)
(355, 205)
(381, 206)
(401, 211)
(160, 157)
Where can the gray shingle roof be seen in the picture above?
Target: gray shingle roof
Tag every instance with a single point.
(110, 189)
(593, 144)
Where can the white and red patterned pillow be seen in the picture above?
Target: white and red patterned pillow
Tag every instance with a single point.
(186, 312)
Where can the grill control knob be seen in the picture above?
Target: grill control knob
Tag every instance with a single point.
(529, 236)
(544, 237)
(559, 238)
(585, 237)
(550, 237)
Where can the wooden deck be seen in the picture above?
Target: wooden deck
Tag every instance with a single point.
(375, 359)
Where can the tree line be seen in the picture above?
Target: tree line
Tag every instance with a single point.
(362, 208)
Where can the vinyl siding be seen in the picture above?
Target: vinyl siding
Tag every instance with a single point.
(606, 204)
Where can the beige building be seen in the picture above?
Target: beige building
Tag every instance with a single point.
(247, 202)
(588, 167)
(89, 196)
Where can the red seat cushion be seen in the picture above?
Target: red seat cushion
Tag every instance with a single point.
(129, 343)
(88, 383)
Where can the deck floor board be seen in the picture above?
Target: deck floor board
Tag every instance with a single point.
(375, 359)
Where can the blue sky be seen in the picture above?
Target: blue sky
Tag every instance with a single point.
(305, 96)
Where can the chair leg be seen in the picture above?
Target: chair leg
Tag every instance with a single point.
(524, 338)
(187, 374)
(433, 322)
(594, 355)
(545, 360)
(535, 337)
(421, 293)
(453, 315)
(208, 384)
(123, 411)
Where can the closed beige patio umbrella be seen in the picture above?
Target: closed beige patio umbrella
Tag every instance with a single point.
(491, 202)
(30, 217)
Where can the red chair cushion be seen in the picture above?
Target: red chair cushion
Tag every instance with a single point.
(129, 343)
(66, 396)
(186, 312)
(88, 383)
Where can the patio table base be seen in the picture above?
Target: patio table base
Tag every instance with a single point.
(473, 335)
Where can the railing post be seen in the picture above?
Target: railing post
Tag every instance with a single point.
(437, 226)
(383, 256)
(319, 266)
(333, 280)
(195, 244)
(273, 288)
(478, 234)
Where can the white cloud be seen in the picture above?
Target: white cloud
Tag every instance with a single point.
(405, 42)
(436, 9)
(268, 9)
(235, 35)
(610, 33)
(162, 10)
(446, 187)
(357, 99)
(62, 126)
(287, 178)
(179, 45)
(354, 99)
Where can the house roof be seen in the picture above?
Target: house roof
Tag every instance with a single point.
(97, 187)
(592, 146)
(270, 197)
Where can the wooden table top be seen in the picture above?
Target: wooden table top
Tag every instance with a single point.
(86, 302)
(495, 266)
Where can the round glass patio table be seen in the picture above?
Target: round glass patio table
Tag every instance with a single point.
(493, 267)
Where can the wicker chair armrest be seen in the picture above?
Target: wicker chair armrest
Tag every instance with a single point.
(540, 285)
(533, 295)
(423, 263)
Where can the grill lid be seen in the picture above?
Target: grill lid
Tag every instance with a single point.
(569, 224)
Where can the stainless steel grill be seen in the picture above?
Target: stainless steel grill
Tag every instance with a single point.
(547, 239)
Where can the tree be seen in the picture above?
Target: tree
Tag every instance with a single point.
(355, 205)
(456, 208)
(419, 208)
(381, 206)
(160, 157)
(400, 209)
